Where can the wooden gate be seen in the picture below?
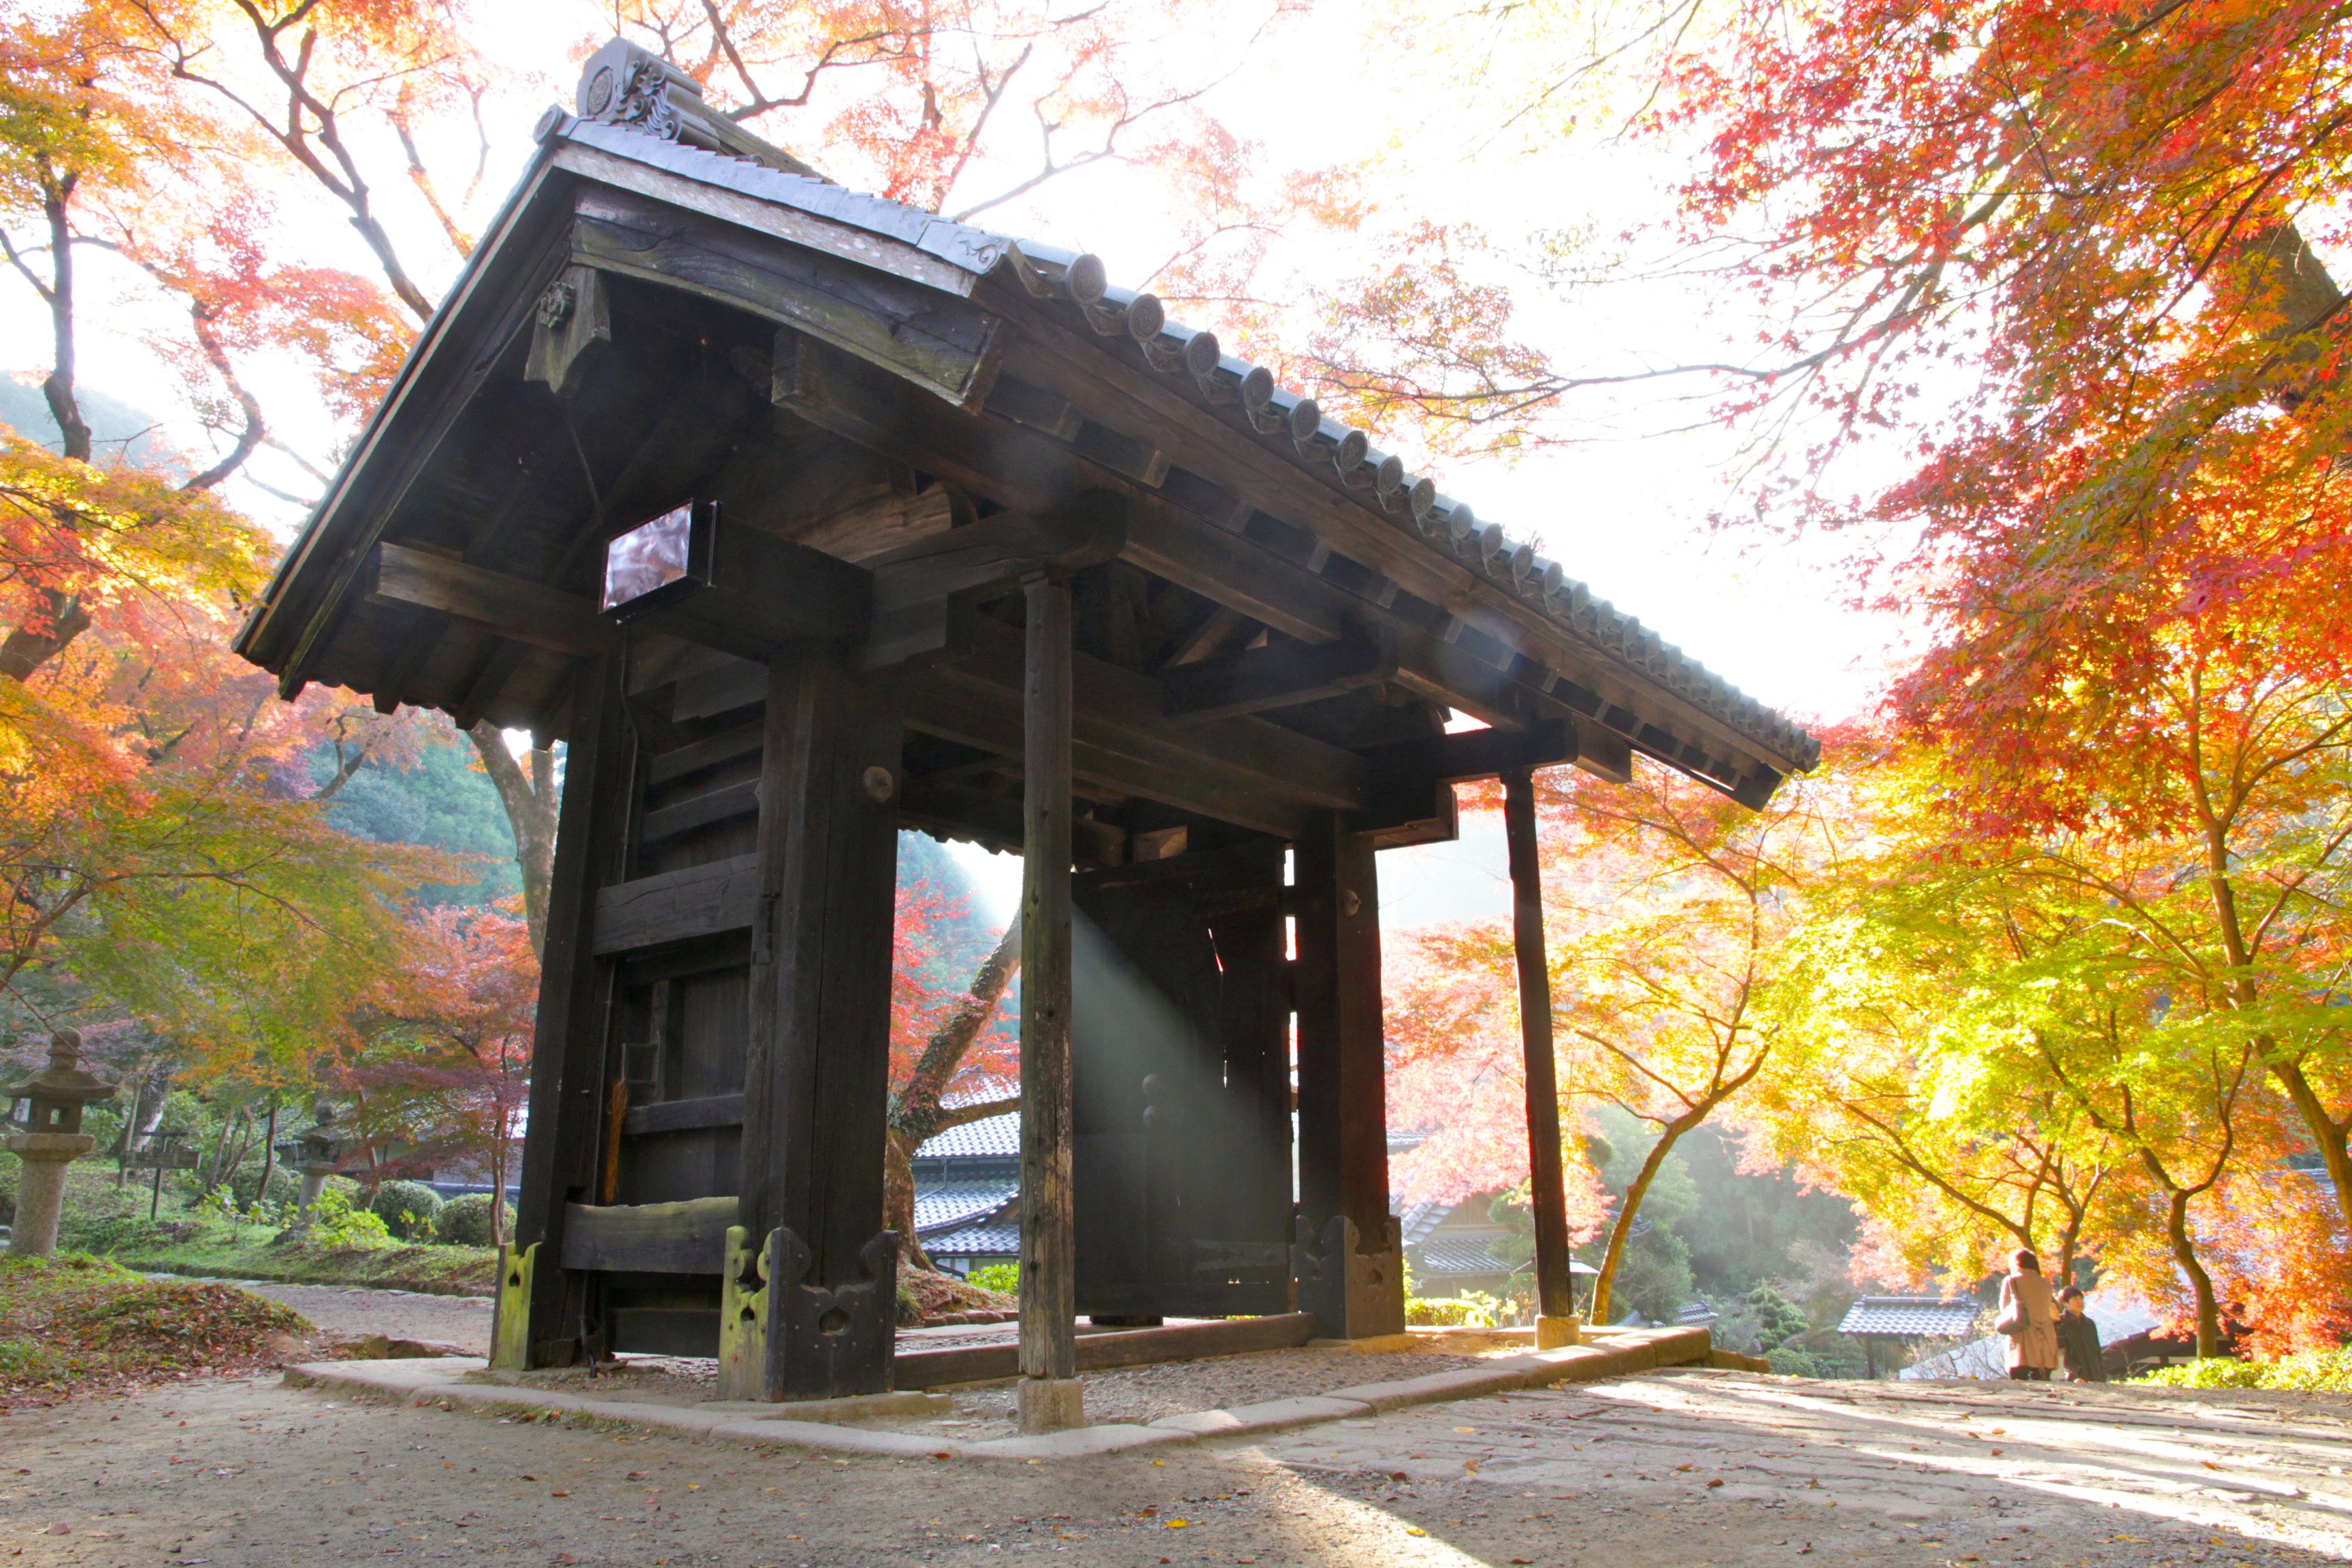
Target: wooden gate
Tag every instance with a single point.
(1179, 1040)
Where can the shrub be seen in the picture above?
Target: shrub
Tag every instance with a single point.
(336, 1222)
(466, 1221)
(1476, 1311)
(1002, 1277)
(2310, 1372)
(1790, 1361)
(408, 1209)
(285, 1187)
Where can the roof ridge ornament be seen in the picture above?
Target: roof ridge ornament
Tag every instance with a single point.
(631, 87)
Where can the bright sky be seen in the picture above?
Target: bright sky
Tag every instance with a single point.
(1624, 509)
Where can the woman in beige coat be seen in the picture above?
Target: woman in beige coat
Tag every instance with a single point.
(2029, 1317)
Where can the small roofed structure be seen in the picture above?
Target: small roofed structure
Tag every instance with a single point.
(803, 516)
(1887, 1325)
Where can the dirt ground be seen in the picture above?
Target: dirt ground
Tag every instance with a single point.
(251, 1475)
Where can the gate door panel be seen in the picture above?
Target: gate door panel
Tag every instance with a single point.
(1180, 1046)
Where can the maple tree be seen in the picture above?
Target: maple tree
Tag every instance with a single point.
(436, 1055)
(1667, 907)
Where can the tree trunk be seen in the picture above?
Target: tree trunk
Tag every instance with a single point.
(2327, 1133)
(2184, 1253)
(530, 802)
(1599, 1311)
(58, 390)
(916, 1114)
(268, 1155)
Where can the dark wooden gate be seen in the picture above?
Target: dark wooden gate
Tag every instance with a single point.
(1180, 1037)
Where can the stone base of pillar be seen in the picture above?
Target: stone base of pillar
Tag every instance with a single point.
(1052, 1403)
(314, 1182)
(1555, 1333)
(41, 1186)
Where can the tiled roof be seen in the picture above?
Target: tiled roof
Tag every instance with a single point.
(1194, 366)
(976, 1241)
(1461, 1255)
(951, 1204)
(1910, 1317)
(992, 1137)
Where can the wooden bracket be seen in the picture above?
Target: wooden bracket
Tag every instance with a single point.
(571, 330)
(921, 590)
(743, 1320)
(1357, 1292)
(510, 1322)
(827, 1340)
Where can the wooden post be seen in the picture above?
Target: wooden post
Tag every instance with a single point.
(1050, 1397)
(1548, 1195)
(818, 1061)
(1347, 1257)
(567, 1061)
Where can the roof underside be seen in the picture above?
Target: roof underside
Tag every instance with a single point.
(855, 376)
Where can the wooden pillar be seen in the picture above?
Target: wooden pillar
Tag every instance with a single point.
(1546, 1190)
(812, 1285)
(540, 1309)
(1347, 1257)
(1050, 1397)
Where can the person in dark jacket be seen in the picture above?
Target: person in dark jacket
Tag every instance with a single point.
(2078, 1341)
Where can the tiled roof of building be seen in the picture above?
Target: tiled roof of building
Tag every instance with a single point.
(951, 1203)
(992, 1137)
(976, 1241)
(645, 127)
(1910, 1317)
(1461, 1255)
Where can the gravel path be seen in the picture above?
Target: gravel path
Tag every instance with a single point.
(240, 1475)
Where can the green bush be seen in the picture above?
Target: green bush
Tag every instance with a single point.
(1790, 1361)
(408, 1209)
(466, 1221)
(335, 1221)
(1476, 1311)
(285, 1186)
(2311, 1371)
(1003, 1277)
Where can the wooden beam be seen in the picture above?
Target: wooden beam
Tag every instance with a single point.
(764, 595)
(917, 587)
(1240, 770)
(940, 342)
(1548, 1194)
(701, 811)
(683, 1116)
(676, 906)
(1049, 1365)
(1273, 678)
(955, 809)
(510, 606)
(687, 1237)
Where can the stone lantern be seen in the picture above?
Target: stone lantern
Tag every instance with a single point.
(313, 1153)
(48, 1111)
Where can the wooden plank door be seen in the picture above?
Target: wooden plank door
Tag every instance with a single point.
(1180, 1044)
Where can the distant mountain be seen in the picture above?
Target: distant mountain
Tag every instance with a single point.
(116, 428)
